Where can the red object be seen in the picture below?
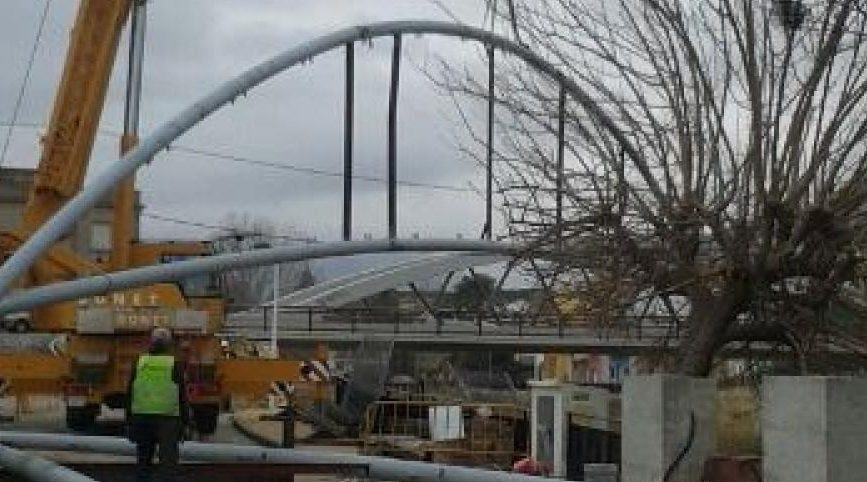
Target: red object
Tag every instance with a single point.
(526, 466)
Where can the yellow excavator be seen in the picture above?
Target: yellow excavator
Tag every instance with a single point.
(106, 333)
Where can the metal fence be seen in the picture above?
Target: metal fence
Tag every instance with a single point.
(317, 319)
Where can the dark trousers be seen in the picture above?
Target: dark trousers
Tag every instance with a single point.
(152, 431)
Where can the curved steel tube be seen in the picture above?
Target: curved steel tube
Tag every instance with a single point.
(65, 219)
(379, 468)
(36, 468)
(120, 280)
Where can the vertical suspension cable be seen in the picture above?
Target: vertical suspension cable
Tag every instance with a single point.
(489, 180)
(347, 141)
(514, 20)
(392, 138)
(561, 153)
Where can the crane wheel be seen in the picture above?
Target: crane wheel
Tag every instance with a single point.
(205, 416)
(21, 326)
(81, 419)
(16, 325)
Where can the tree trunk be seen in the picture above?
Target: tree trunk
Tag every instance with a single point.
(710, 317)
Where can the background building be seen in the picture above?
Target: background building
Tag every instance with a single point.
(90, 238)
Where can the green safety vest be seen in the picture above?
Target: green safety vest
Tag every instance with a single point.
(153, 390)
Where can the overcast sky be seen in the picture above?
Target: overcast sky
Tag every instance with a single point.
(193, 45)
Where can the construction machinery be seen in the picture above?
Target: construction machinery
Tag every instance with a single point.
(103, 336)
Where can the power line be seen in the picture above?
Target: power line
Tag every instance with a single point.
(217, 227)
(184, 222)
(314, 171)
(18, 101)
(283, 166)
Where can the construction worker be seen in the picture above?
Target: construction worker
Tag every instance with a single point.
(157, 412)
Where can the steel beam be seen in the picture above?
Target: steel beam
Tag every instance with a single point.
(379, 468)
(227, 93)
(121, 280)
(37, 469)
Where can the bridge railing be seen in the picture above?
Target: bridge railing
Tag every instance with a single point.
(445, 322)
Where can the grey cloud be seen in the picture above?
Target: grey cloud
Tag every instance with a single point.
(196, 44)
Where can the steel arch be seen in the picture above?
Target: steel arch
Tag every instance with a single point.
(161, 138)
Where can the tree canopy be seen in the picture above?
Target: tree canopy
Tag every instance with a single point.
(743, 191)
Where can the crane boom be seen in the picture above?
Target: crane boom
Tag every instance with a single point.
(92, 369)
(77, 108)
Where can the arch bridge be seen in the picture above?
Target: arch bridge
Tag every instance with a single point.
(235, 89)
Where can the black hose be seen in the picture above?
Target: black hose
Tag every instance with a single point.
(687, 446)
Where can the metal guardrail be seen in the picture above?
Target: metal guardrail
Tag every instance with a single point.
(416, 326)
(318, 319)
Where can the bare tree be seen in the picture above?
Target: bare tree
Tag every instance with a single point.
(249, 287)
(745, 194)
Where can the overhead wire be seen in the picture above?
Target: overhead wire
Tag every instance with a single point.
(173, 220)
(218, 227)
(229, 157)
(315, 171)
(20, 98)
(283, 166)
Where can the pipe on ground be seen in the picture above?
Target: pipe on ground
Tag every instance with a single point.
(379, 468)
(37, 469)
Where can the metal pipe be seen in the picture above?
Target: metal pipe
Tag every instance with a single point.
(37, 469)
(392, 138)
(120, 280)
(379, 468)
(347, 141)
(72, 211)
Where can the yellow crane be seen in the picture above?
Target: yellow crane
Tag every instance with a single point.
(107, 333)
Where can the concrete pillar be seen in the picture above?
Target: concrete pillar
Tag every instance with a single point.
(814, 428)
(656, 427)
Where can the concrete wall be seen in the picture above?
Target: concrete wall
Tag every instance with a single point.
(656, 426)
(814, 429)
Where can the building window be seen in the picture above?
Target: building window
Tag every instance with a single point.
(100, 237)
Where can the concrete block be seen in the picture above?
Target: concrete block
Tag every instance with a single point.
(600, 472)
(656, 427)
(814, 428)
